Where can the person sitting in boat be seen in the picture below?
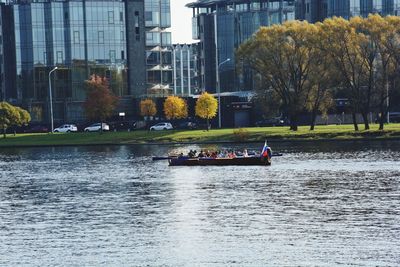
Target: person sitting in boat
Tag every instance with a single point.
(201, 154)
(245, 154)
(191, 153)
(231, 154)
(213, 155)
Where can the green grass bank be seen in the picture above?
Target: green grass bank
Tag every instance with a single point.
(329, 132)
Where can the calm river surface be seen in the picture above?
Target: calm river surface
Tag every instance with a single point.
(321, 204)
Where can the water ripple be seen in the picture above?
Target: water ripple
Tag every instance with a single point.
(318, 205)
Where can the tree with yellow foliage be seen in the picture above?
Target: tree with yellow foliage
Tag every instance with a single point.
(206, 107)
(148, 108)
(175, 108)
(284, 56)
(12, 116)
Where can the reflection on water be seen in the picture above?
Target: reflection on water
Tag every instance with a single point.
(319, 205)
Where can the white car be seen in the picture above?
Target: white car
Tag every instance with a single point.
(95, 127)
(161, 126)
(66, 128)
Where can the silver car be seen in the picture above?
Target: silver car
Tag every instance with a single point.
(161, 126)
(95, 127)
(66, 128)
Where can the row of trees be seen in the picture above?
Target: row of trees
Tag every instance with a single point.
(101, 103)
(12, 116)
(303, 66)
(176, 107)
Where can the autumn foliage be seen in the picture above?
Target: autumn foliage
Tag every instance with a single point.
(304, 66)
(175, 108)
(206, 107)
(12, 116)
(100, 102)
(148, 107)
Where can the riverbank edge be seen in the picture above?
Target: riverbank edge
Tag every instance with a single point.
(153, 143)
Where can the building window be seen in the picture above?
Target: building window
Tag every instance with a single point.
(122, 36)
(137, 31)
(76, 37)
(112, 56)
(111, 17)
(59, 57)
(121, 16)
(101, 37)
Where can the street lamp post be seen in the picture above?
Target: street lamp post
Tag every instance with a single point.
(51, 100)
(219, 91)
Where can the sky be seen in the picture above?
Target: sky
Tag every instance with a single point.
(181, 22)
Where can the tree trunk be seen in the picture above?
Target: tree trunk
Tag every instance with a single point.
(4, 132)
(208, 125)
(313, 119)
(365, 119)
(382, 118)
(381, 122)
(293, 123)
(353, 115)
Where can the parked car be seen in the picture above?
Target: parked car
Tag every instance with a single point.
(161, 126)
(394, 117)
(37, 129)
(122, 125)
(66, 128)
(187, 125)
(270, 122)
(95, 127)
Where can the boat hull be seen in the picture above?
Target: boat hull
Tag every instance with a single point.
(248, 161)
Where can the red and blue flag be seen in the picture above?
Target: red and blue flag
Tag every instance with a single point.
(266, 150)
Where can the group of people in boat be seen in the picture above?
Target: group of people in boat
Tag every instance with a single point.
(216, 154)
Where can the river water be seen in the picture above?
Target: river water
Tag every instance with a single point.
(320, 204)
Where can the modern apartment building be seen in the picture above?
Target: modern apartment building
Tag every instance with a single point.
(221, 26)
(158, 48)
(80, 38)
(184, 58)
(347, 9)
(318, 10)
(311, 10)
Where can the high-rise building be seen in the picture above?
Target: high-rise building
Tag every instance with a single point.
(80, 38)
(184, 58)
(311, 10)
(221, 26)
(347, 9)
(158, 48)
(318, 10)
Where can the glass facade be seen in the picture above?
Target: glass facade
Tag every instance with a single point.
(185, 69)
(80, 38)
(235, 22)
(158, 47)
(350, 8)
